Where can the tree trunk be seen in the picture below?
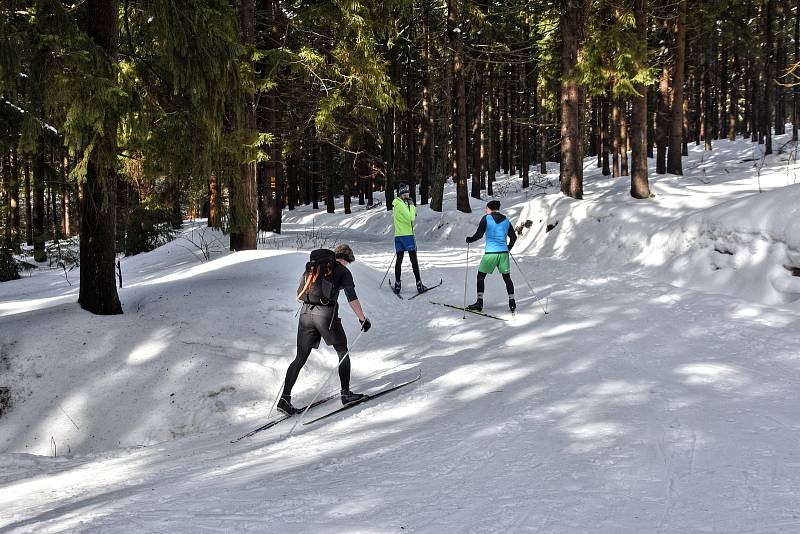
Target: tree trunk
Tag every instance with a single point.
(640, 187)
(707, 116)
(674, 163)
(769, 74)
(388, 157)
(605, 147)
(723, 93)
(477, 134)
(427, 107)
(39, 233)
(732, 107)
(663, 109)
(779, 67)
(796, 93)
(615, 137)
(623, 140)
(573, 18)
(243, 202)
(98, 289)
(460, 123)
(14, 220)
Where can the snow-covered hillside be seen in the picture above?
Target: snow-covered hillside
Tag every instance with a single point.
(658, 394)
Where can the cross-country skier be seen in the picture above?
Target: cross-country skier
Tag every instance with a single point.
(497, 227)
(404, 212)
(320, 320)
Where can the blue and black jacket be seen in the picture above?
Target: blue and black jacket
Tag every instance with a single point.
(497, 227)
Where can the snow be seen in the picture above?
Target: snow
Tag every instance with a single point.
(658, 394)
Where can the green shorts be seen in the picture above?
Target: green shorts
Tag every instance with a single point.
(491, 261)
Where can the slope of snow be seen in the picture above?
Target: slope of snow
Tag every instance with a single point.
(658, 394)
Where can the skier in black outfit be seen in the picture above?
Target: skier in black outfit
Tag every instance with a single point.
(318, 322)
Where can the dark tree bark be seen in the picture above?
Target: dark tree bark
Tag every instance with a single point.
(707, 115)
(733, 110)
(769, 74)
(244, 202)
(594, 133)
(98, 289)
(388, 157)
(796, 93)
(573, 20)
(38, 205)
(28, 204)
(506, 118)
(674, 163)
(460, 123)
(779, 67)
(13, 193)
(525, 129)
(66, 226)
(662, 126)
(623, 140)
(615, 137)
(640, 187)
(605, 144)
(723, 93)
(477, 133)
(427, 107)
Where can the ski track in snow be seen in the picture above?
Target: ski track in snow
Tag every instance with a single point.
(634, 406)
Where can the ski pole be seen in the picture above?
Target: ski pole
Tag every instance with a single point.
(544, 309)
(466, 274)
(319, 391)
(387, 271)
(275, 402)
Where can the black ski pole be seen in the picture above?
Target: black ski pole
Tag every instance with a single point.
(387, 271)
(466, 274)
(544, 308)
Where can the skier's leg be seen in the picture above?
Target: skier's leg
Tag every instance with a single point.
(398, 266)
(307, 338)
(415, 265)
(509, 285)
(481, 284)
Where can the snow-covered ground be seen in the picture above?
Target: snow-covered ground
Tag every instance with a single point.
(658, 394)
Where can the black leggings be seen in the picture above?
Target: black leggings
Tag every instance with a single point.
(310, 330)
(398, 265)
(506, 279)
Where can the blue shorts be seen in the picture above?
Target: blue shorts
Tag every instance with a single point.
(405, 243)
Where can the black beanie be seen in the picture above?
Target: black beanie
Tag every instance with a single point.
(493, 205)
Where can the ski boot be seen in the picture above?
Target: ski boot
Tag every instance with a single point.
(396, 287)
(476, 306)
(350, 397)
(512, 305)
(421, 287)
(285, 405)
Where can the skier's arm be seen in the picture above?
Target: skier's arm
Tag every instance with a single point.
(512, 236)
(356, 306)
(349, 288)
(479, 232)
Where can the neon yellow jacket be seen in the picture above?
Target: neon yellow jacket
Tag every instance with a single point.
(403, 215)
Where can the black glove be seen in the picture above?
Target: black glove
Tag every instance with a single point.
(470, 240)
(365, 325)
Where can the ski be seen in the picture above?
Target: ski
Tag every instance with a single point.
(365, 399)
(391, 287)
(468, 310)
(441, 281)
(283, 418)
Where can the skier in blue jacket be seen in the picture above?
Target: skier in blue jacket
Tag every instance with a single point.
(497, 228)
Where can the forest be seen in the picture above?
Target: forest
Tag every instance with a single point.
(121, 119)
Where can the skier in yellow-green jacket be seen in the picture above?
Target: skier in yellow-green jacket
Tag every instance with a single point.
(404, 212)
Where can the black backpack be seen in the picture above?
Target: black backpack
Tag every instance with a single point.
(316, 284)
